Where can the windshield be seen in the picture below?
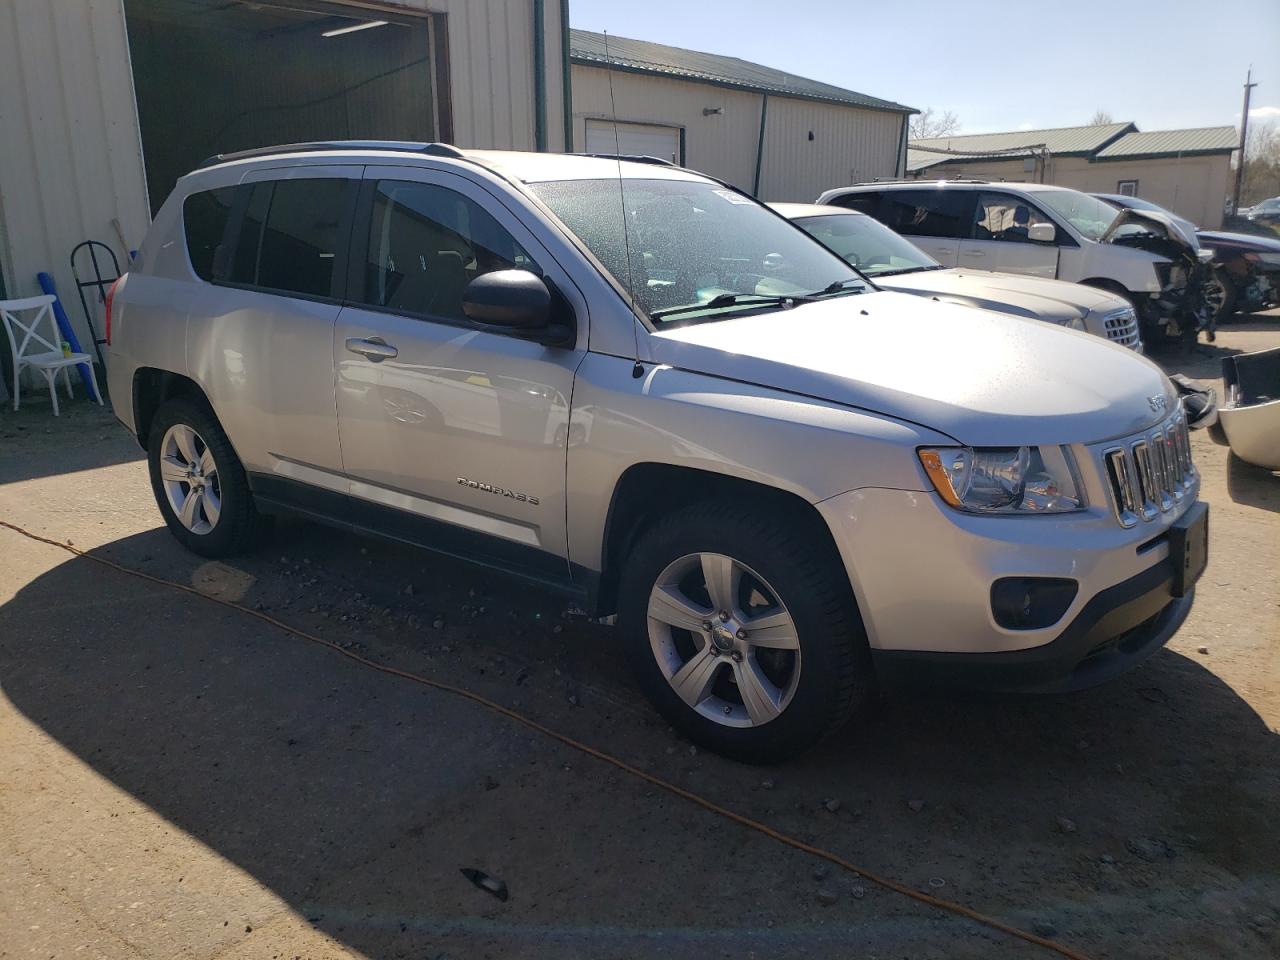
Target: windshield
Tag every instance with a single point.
(1087, 214)
(867, 244)
(694, 242)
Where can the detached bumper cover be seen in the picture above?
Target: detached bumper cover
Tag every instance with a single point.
(1117, 629)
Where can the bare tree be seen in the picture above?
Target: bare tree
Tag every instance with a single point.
(1262, 174)
(930, 123)
(1100, 117)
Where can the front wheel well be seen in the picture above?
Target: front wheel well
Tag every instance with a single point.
(648, 491)
(151, 389)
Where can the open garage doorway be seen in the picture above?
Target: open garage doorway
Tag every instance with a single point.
(213, 76)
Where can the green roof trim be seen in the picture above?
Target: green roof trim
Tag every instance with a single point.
(640, 56)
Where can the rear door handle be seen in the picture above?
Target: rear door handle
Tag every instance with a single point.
(375, 348)
(974, 253)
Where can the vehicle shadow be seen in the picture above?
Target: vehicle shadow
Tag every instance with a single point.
(1252, 486)
(26, 452)
(355, 797)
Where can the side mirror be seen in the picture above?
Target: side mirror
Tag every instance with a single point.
(515, 299)
(1042, 233)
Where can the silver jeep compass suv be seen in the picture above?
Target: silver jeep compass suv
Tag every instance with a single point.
(636, 385)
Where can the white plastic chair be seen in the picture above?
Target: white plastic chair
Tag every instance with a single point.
(27, 342)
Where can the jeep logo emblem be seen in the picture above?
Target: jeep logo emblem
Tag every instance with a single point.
(1157, 404)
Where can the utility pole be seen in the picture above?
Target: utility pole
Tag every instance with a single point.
(1244, 133)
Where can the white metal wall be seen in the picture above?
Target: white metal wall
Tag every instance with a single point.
(70, 153)
(722, 129)
(70, 158)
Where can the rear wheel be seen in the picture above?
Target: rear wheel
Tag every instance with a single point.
(743, 631)
(198, 481)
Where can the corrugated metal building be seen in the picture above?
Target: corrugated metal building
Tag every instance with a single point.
(103, 103)
(780, 136)
(1186, 171)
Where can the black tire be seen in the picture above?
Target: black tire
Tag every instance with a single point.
(803, 569)
(1227, 307)
(238, 525)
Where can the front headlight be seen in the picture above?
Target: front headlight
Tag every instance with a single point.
(1074, 323)
(1005, 480)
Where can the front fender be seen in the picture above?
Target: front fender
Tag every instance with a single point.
(810, 448)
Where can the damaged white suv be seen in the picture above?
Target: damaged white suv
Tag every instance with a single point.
(635, 385)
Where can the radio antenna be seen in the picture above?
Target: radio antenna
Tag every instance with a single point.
(637, 371)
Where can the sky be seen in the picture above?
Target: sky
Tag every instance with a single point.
(997, 64)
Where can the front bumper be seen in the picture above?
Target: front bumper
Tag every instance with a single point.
(1119, 628)
(922, 574)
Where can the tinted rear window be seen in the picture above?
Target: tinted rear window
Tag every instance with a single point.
(289, 236)
(927, 213)
(862, 202)
(204, 219)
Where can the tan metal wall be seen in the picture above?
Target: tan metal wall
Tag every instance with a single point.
(848, 146)
(70, 154)
(723, 144)
(848, 143)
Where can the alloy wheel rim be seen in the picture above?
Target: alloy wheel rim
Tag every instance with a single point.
(190, 479)
(724, 640)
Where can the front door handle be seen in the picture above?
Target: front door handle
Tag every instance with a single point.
(974, 253)
(375, 348)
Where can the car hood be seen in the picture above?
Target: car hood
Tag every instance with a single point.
(1174, 226)
(1238, 241)
(1054, 300)
(986, 379)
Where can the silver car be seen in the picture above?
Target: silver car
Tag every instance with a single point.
(635, 385)
(895, 263)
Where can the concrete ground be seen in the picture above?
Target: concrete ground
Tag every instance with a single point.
(180, 780)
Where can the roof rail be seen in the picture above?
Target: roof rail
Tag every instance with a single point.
(319, 146)
(883, 180)
(629, 157)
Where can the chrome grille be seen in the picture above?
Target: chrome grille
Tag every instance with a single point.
(1151, 473)
(1122, 327)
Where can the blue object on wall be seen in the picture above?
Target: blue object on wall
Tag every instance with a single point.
(64, 326)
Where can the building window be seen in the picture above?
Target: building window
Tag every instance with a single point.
(1127, 188)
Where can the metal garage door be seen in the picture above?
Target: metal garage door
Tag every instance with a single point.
(637, 139)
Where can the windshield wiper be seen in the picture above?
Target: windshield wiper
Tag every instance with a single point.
(724, 300)
(902, 270)
(840, 286)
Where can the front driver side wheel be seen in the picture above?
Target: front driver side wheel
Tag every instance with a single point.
(741, 628)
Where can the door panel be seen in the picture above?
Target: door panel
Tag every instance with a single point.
(265, 356)
(998, 238)
(945, 251)
(442, 419)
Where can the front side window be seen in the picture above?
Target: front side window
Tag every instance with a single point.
(696, 248)
(937, 212)
(289, 236)
(204, 220)
(867, 244)
(1087, 214)
(999, 216)
(426, 243)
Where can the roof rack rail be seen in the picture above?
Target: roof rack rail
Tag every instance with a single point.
(926, 179)
(630, 158)
(318, 146)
